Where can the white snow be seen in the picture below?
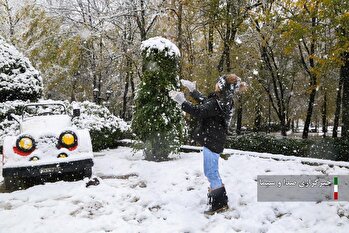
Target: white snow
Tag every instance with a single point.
(140, 196)
(52, 123)
(255, 72)
(160, 44)
(5, 107)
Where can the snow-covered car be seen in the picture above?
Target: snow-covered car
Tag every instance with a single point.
(47, 148)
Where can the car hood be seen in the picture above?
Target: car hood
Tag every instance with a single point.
(40, 124)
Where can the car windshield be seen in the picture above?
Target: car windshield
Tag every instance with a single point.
(43, 110)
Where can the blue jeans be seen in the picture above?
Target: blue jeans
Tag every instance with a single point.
(211, 168)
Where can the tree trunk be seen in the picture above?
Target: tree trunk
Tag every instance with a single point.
(74, 85)
(128, 81)
(338, 108)
(100, 68)
(309, 67)
(293, 126)
(258, 117)
(239, 116)
(210, 39)
(179, 35)
(124, 98)
(154, 150)
(324, 115)
(344, 74)
(220, 66)
(283, 126)
(213, 8)
(142, 28)
(309, 113)
(269, 112)
(90, 49)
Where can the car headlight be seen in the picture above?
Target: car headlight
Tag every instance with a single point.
(68, 139)
(25, 143)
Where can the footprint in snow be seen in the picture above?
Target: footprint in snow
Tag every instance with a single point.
(141, 184)
(91, 210)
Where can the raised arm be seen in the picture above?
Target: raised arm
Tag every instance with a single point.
(192, 89)
(208, 109)
(198, 96)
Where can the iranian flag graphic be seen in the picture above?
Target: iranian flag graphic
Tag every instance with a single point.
(335, 188)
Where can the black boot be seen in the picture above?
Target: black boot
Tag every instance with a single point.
(218, 200)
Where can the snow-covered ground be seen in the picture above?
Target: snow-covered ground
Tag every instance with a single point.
(141, 196)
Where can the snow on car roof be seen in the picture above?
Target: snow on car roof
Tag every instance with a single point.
(39, 125)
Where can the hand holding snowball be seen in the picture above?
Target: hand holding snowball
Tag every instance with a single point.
(177, 96)
(188, 84)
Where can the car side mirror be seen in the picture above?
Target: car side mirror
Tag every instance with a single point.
(76, 112)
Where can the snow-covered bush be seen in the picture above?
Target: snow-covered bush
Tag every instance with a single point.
(14, 107)
(19, 80)
(104, 127)
(9, 127)
(157, 121)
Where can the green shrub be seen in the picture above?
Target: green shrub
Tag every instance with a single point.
(156, 120)
(102, 139)
(326, 148)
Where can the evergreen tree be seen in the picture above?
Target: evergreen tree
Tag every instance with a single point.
(19, 80)
(157, 121)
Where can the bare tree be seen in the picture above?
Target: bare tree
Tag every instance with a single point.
(231, 17)
(10, 18)
(90, 19)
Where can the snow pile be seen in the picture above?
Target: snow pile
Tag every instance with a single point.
(140, 196)
(18, 78)
(160, 44)
(97, 117)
